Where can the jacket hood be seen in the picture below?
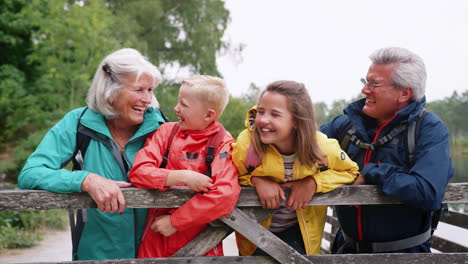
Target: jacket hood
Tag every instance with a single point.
(359, 118)
(250, 118)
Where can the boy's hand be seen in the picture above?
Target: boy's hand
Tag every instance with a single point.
(302, 192)
(269, 192)
(196, 181)
(163, 225)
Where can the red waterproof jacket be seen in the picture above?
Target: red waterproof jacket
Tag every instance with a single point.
(187, 151)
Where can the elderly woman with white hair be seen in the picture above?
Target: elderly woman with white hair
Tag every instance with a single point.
(122, 111)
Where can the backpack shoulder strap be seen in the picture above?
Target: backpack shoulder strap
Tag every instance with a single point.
(174, 130)
(77, 225)
(253, 159)
(413, 128)
(344, 137)
(213, 142)
(82, 143)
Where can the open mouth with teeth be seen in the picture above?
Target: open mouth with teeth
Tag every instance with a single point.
(139, 109)
(266, 130)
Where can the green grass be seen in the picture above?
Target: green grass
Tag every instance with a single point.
(25, 229)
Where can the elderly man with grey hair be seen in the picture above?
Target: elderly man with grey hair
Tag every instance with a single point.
(401, 148)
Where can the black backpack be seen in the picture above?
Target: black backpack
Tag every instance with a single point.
(348, 136)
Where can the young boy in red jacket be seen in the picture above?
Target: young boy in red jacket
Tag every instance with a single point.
(201, 102)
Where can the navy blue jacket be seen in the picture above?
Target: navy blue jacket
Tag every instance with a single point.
(420, 186)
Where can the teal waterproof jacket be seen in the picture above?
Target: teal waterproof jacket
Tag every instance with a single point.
(104, 235)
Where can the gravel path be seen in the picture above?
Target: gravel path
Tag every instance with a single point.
(56, 246)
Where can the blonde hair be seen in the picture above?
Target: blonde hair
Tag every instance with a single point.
(302, 110)
(209, 89)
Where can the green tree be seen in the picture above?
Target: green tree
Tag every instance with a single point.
(321, 110)
(233, 118)
(174, 34)
(70, 41)
(17, 107)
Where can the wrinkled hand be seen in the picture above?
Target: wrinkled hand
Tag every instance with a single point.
(360, 179)
(269, 192)
(302, 192)
(196, 181)
(163, 225)
(106, 193)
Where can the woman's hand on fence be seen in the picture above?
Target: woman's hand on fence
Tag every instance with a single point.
(302, 192)
(163, 225)
(270, 193)
(106, 193)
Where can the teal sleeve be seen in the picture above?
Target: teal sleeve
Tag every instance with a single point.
(43, 169)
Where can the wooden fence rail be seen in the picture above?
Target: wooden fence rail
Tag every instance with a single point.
(244, 219)
(23, 200)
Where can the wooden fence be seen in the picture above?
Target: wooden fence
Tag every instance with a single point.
(244, 219)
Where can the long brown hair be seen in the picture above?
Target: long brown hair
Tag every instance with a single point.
(302, 110)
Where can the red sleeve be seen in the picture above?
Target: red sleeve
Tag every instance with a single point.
(219, 200)
(145, 172)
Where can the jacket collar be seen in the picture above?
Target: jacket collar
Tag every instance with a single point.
(359, 119)
(198, 134)
(95, 121)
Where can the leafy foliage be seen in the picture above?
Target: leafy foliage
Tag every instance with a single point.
(52, 50)
(174, 33)
(20, 229)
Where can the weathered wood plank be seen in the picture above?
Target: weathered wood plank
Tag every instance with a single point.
(445, 258)
(20, 200)
(456, 219)
(447, 246)
(263, 238)
(328, 236)
(204, 242)
(332, 220)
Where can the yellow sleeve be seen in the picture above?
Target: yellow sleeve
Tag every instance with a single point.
(341, 169)
(239, 154)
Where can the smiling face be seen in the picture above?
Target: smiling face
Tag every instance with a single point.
(384, 101)
(132, 100)
(275, 123)
(191, 111)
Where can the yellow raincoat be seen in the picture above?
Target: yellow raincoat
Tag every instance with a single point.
(341, 170)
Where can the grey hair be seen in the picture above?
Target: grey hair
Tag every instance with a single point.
(112, 73)
(410, 69)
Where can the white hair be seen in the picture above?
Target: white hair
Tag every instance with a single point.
(410, 70)
(112, 73)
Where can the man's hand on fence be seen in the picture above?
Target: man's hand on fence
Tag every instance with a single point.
(302, 192)
(360, 179)
(269, 192)
(106, 193)
(163, 225)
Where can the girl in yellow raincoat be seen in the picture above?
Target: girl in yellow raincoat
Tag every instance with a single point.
(281, 148)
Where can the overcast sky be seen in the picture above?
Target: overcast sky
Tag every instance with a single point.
(326, 44)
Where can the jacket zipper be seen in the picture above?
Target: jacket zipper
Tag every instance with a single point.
(367, 159)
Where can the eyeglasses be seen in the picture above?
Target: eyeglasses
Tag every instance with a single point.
(371, 85)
